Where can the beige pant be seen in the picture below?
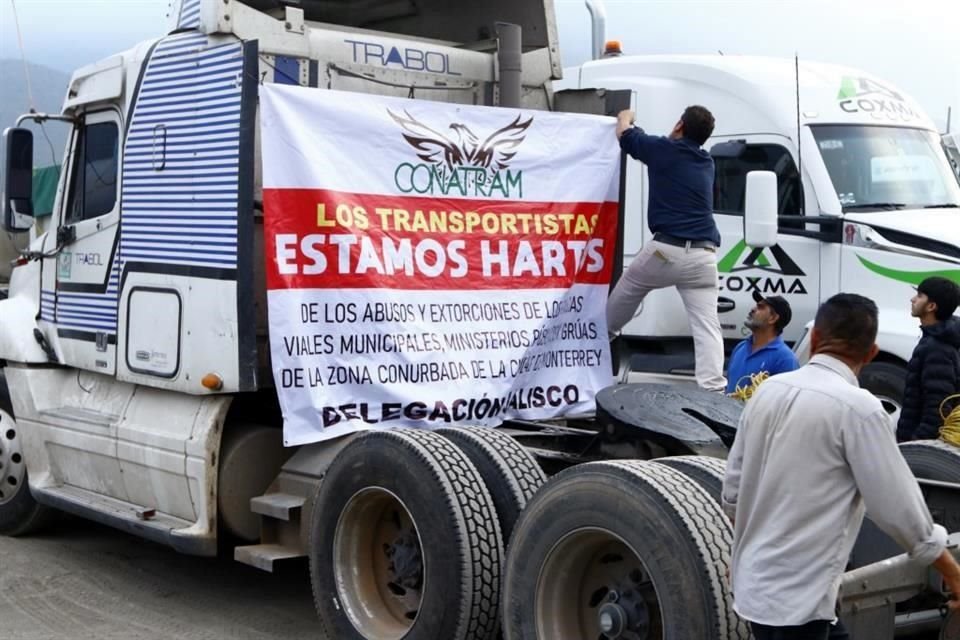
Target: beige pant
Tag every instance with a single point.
(694, 273)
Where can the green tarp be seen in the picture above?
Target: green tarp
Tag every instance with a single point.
(44, 189)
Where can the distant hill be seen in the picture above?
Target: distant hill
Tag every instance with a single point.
(49, 87)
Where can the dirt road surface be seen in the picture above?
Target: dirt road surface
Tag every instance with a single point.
(82, 581)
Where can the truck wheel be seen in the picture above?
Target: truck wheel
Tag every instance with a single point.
(704, 470)
(20, 514)
(885, 380)
(405, 542)
(510, 472)
(932, 460)
(620, 550)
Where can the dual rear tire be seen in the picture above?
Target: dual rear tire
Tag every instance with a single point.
(407, 544)
(620, 550)
(408, 530)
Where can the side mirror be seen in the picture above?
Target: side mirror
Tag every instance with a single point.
(760, 209)
(732, 149)
(18, 188)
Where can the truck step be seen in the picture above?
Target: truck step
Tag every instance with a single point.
(281, 506)
(140, 520)
(265, 556)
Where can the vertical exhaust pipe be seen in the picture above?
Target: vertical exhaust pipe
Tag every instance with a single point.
(510, 58)
(598, 26)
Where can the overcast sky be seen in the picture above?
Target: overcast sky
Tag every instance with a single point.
(913, 45)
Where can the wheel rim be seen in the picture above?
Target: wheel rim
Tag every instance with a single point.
(12, 469)
(378, 565)
(594, 584)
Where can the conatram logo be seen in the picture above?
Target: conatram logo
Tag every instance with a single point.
(461, 162)
(771, 274)
(866, 96)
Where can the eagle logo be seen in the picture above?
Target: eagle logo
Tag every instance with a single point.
(463, 147)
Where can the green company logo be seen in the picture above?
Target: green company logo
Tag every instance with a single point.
(778, 272)
(863, 95)
(460, 163)
(910, 277)
(64, 264)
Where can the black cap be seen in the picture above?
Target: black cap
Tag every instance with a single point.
(779, 305)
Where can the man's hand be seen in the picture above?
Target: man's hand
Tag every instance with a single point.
(625, 120)
(950, 571)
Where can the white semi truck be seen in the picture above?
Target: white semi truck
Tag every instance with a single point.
(873, 208)
(404, 530)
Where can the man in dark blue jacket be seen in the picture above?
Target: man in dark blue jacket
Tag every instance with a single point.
(683, 252)
(933, 372)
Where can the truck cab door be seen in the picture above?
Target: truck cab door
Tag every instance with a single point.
(75, 411)
(791, 268)
(85, 296)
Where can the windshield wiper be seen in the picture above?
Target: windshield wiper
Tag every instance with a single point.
(945, 205)
(890, 206)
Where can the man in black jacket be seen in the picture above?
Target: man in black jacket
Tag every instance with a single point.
(934, 369)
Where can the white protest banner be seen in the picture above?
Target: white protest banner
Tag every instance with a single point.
(432, 264)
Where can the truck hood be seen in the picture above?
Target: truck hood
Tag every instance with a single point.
(939, 225)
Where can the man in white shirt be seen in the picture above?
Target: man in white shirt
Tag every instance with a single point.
(812, 450)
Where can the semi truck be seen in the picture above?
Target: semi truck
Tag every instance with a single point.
(867, 202)
(172, 431)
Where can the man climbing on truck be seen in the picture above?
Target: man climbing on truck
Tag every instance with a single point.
(683, 252)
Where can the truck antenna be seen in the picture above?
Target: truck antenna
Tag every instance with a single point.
(949, 113)
(796, 77)
(23, 57)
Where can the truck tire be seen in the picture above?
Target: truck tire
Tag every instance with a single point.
(704, 470)
(20, 514)
(632, 549)
(932, 459)
(929, 460)
(510, 472)
(886, 381)
(404, 542)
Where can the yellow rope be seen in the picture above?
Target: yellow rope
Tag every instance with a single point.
(950, 431)
(745, 392)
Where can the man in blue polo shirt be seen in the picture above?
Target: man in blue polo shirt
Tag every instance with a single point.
(764, 350)
(683, 250)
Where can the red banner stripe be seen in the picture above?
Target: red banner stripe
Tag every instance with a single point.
(322, 239)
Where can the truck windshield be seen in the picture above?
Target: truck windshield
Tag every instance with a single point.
(876, 168)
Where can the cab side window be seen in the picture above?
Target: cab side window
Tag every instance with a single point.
(731, 179)
(93, 185)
